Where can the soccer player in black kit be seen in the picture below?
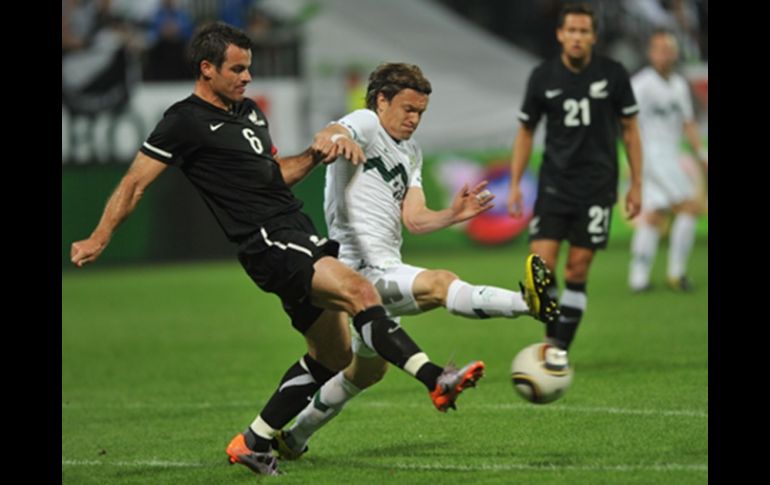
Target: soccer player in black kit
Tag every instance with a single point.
(588, 102)
(220, 141)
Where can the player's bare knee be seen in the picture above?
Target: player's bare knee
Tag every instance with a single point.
(361, 293)
(691, 207)
(440, 281)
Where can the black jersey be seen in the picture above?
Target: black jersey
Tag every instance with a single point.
(228, 157)
(580, 164)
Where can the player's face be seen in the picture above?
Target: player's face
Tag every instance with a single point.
(401, 115)
(577, 36)
(230, 80)
(663, 52)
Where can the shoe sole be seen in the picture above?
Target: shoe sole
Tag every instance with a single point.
(533, 300)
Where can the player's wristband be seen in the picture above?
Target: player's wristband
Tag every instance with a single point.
(336, 137)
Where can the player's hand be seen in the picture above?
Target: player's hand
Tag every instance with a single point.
(633, 201)
(341, 146)
(515, 205)
(350, 150)
(471, 202)
(86, 251)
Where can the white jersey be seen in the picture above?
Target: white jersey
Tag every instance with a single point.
(362, 204)
(664, 107)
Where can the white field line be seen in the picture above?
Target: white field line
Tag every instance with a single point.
(566, 408)
(657, 467)
(687, 413)
(135, 463)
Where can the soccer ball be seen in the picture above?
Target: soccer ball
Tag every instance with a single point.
(539, 380)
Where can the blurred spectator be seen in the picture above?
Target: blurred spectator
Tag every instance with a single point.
(679, 16)
(624, 25)
(170, 30)
(236, 12)
(98, 65)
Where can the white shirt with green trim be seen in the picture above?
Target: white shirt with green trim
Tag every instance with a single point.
(362, 204)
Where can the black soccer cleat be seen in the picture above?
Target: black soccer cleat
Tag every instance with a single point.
(540, 290)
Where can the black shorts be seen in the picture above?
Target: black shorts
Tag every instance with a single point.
(583, 225)
(279, 258)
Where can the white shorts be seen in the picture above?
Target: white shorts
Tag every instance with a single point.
(665, 185)
(395, 288)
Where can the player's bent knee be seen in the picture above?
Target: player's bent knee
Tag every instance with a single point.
(439, 282)
(363, 293)
(691, 207)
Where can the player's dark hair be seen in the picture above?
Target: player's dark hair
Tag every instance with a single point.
(393, 77)
(210, 44)
(577, 9)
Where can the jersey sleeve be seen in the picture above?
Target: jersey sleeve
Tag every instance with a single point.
(415, 180)
(624, 101)
(532, 107)
(172, 139)
(362, 125)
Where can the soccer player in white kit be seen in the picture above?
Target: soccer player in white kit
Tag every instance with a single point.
(665, 113)
(365, 204)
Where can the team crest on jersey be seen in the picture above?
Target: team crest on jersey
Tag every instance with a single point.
(255, 119)
(598, 89)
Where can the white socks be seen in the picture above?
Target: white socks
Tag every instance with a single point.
(484, 301)
(644, 245)
(682, 239)
(326, 404)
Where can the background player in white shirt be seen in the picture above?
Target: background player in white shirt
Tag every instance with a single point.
(665, 113)
(365, 204)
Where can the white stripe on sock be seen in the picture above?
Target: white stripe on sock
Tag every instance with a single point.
(415, 362)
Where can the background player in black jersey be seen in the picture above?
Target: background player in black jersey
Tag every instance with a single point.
(220, 141)
(588, 103)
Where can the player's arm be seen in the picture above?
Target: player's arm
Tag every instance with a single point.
(419, 219)
(331, 142)
(522, 150)
(632, 140)
(142, 172)
(334, 141)
(693, 138)
(296, 167)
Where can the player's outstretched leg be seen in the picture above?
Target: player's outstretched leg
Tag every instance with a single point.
(390, 341)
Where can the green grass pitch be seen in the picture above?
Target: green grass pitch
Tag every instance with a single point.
(162, 365)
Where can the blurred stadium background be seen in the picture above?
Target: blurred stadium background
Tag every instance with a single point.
(158, 361)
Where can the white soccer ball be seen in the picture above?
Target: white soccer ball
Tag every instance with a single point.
(541, 373)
